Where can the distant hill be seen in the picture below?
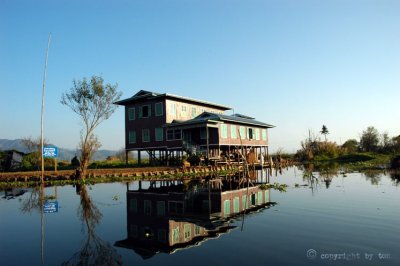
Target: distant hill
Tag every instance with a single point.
(63, 154)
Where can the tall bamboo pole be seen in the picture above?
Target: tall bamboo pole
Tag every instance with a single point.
(43, 94)
(42, 140)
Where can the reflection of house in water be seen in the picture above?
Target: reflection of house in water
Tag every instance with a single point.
(167, 217)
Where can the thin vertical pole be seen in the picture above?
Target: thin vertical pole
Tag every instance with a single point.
(43, 94)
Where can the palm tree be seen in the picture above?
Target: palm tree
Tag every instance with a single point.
(324, 131)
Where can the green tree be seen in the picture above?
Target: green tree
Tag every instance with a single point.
(369, 139)
(351, 145)
(324, 131)
(93, 102)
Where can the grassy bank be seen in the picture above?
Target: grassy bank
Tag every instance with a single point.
(358, 161)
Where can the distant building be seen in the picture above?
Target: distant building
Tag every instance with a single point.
(12, 160)
(166, 126)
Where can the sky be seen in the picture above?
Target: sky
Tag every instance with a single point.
(294, 64)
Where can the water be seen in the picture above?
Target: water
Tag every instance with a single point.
(336, 219)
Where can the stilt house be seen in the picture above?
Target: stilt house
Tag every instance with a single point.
(166, 126)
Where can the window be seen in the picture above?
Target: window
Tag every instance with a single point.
(183, 110)
(132, 137)
(133, 205)
(160, 208)
(264, 134)
(133, 230)
(174, 134)
(196, 230)
(242, 131)
(194, 112)
(159, 109)
(203, 133)
(172, 109)
(259, 198)
(266, 196)
(236, 205)
(224, 131)
(162, 235)
(145, 135)
(159, 134)
(147, 207)
(175, 206)
(227, 208)
(175, 235)
(233, 132)
(187, 231)
(131, 113)
(145, 111)
(257, 134)
(250, 133)
(245, 203)
(177, 134)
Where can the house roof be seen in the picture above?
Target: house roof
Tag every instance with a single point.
(148, 95)
(208, 117)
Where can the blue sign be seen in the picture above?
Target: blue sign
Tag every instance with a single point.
(50, 152)
(50, 207)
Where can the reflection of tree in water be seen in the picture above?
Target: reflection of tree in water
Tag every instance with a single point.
(94, 251)
(373, 176)
(33, 202)
(395, 178)
(327, 172)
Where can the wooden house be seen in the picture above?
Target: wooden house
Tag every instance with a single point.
(167, 126)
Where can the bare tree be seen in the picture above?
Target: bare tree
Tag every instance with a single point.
(93, 102)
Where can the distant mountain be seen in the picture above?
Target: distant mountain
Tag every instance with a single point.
(63, 154)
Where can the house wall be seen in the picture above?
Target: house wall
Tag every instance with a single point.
(246, 141)
(176, 110)
(172, 109)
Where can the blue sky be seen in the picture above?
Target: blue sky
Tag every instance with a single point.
(294, 64)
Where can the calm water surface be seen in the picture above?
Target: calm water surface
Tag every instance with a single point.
(336, 219)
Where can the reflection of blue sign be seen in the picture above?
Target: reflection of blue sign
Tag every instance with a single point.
(50, 207)
(50, 152)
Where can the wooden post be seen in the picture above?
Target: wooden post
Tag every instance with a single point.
(126, 157)
(55, 165)
(139, 157)
(208, 143)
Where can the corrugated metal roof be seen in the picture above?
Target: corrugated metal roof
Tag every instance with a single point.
(153, 95)
(211, 117)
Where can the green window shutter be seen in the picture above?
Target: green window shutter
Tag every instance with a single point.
(242, 132)
(259, 198)
(187, 230)
(133, 230)
(145, 135)
(196, 230)
(257, 134)
(133, 205)
(140, 111)
(132, 137)
(233, 132)
(245, 203)
(160, 208)
(227, 208)
(264, 134)
(236, 205)
(147, 207)
(149, 110)
(266, 196)
(131, 113)
(194, 112)
(159, 134)
(224, 131)
(159, 109)
(175, 235)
